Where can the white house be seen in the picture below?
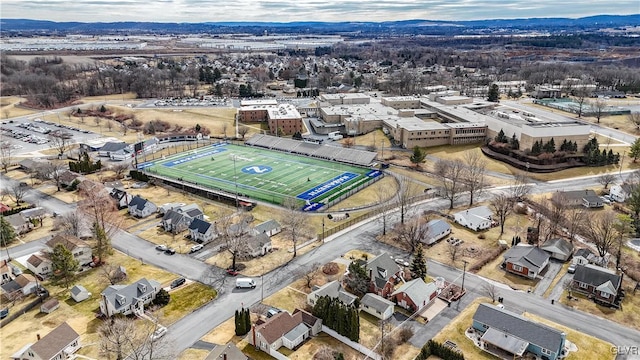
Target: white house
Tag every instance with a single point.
(437, 229)
(59, 344)
(377, 306)
(269, 227)
(81, 250)
(121, 197)
(140, 207)
(40, 265)
(476, 219)
(79, 293)
(283, 329)
(258, 245)
(202, 231)
(23, 283)
(332, 289)
(128, 299)
(620, 193)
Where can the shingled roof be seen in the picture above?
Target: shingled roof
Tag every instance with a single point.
(55, 341)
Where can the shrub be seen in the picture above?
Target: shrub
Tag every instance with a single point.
(330, 268)
(405, 334)
(487, 258)
(162, 298)
(481, 236)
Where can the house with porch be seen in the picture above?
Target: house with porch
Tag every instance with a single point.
(525, 260)
(61, 343)
(415, 294)
(600, 284)
(128, 299)
(283, 329)
(510, 335)
(202, 231)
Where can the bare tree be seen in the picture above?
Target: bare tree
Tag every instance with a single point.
(111, 273)
(294, 223)
(120, 168)
(310, 273)
(606, 179)
(623, 228)
(453, 251)
(502, 207)
(601, 230)
(71, 223)
(520, 187)
(109, 125)
(97, 203)
(61, 141)
(450, 173)
(568, 286)
(405, 194)
(598, 108)
(243, 130)
(54, 172)
(580, 98)
(491, 291)
(474, 175)
(17, 192)
(235, 232)
(574, 220)
(6, 150)
(555, 214)
(126, 338)
(411, 233)
(634, 118)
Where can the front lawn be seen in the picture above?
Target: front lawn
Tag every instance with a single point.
(186, 300)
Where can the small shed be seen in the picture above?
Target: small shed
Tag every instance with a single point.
(79, 293)
(49, 306)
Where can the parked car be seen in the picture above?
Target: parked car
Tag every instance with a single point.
(232, 272)
(571, 269)
(160, 332)
(272, 312)
(195, 248)
(605, 200)
(178, 282)
(401, 262)
(161, 247)
(4, 313)
(170, 251)
(245, 283)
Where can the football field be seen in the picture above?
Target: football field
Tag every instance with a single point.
(263, 174)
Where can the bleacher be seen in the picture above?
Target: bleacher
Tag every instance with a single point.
(326, 152)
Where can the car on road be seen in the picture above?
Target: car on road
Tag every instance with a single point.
(161, 247)
(170, 251)
(195, 248)
(401, 262)
(245, 283)
(178, 282)
(160, 332)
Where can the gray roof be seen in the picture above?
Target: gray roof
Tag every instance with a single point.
(333, 289)
(16, 220)
(531, 257)
(558, 245)
(436, 227)
(121, 296)
(596, 275)
(228, 351)
(418, 291)
(138, 202)
(113, 146)
(200, 226)
(382, 267)
(505, 341)
(173, 217)
(10, 287)
(376, 302)
(78, 289)
(55, 341)
(574, 195)
(296, 332)
(584, 252)
(258, 241)
(480, 212)
(191, 210)
(117, 194)
(268, 225)
(520, 327)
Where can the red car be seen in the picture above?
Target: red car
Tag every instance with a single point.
(232, 272)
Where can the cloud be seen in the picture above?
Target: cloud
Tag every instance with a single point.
(305, 10)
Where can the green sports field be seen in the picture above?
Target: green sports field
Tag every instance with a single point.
(262, 174)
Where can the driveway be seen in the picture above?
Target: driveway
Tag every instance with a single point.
(552, 270)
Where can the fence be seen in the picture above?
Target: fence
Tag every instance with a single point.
(27, 307)
(273, 352)
(354, 345)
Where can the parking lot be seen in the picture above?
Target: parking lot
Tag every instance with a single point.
(35, 135)
(206, 101)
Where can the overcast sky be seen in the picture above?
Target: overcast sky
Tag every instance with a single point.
(306, 10)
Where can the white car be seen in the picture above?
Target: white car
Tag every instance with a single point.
(161, 247)
(401, 262)
(195, 248)
(160, 332)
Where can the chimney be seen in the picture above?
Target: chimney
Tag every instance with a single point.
(370, 274)
(38, 336)
(224, 356)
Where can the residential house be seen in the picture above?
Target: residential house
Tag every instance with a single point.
(228, 351)
(269, 227)
(140, 207)
(505, 331)
(6, 273)
(19, 223)
(582, 256)
(258, 245)
(34, 213)
(621, 193)
(67, 178)
(333, 290)
(415, 294)
(162, 209)
(128, 299)
(81, 250)
(30, 165)
(525, 260)
(437, 229)
(24, 283)
(202, 231)
(314, 323)
(121, 197)
(49, 306)
(178, 220)
(59, 344)
(476, 219)
(600, 284)
(576, 198)
(377, 306)
(384, 274)
(559, 249)
(111, 147)
(592, 201)
(39, 264)
(283, 329)
(79, 293)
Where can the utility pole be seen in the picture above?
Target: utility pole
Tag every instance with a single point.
(464, 271)
(322, 228)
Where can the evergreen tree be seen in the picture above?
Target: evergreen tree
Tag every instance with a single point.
(418, 156)
(515, 144)
(565, 146)
(501, 137)
(162, 298)
(494, 93)
(535, 149)
(634, 152)
(418, 264)
(63, 263)
(238, 323)
(7, 234)
(247, 320)
(610, 157)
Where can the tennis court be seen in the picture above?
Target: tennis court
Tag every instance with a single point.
(266, 175)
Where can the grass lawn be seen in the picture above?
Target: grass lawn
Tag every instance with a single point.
(287, 299)
(375, 138)
(191, 354)
(629, 315)
(185, 300)
(10, 110)
(368, 195)
(309, 348)
(493, 271)
(81, 316)
(369, 330)
(589, 347)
